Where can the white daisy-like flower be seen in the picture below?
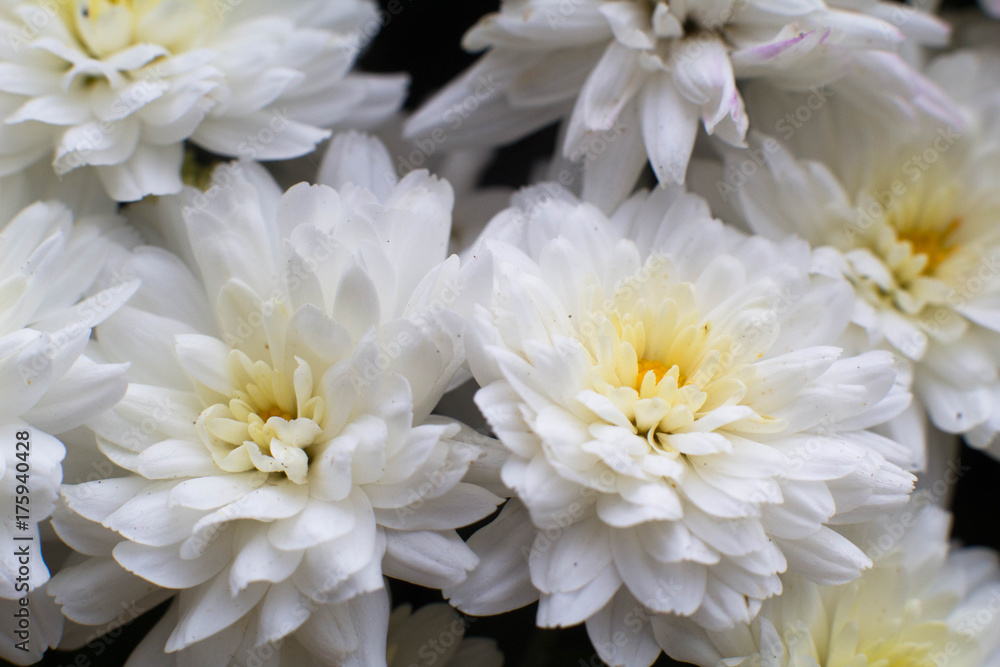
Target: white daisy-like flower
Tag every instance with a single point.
(913, 221)
(636, 78)
(921, 604)
(435, 635)
(120, 86)
(277, 425)
(681, 430)
(48, 386)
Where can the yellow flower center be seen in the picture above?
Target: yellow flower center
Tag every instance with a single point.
(658, 363)
(900, 654)
(107, 26)
(916, 234)
(872, 628)
(657, 368)
(907, 255)
(268, 424)
(932, 243)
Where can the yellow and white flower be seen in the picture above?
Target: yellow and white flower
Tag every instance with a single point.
(119, 85)
(682, 429)
(277, 427)
(634, 79)
(912, 220)
(920, 604)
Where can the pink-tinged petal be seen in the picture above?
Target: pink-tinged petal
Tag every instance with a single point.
(779, 53)
(707, 80)
(855, 30)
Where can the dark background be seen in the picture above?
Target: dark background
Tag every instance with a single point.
(423, 39)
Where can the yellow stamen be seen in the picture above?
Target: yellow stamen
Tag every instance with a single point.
(275, 412)
(932, 243)
(647, 365)
(105, 27)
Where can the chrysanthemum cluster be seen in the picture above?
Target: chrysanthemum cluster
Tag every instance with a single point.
(679, 388)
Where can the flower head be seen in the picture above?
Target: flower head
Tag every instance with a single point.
(681, 430)
(277, 427)
(121, 85)
(920, 604)
(48, 306)
(910, 219)
(634, 79)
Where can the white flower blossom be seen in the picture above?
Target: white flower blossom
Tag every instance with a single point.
(921, 604)
(119, 86)
(634, 79)
(277, 424)
(681, 427)
(48, 265)
(912, 219)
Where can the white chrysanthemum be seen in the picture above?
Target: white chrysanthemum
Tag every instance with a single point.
(120, 85)
(920, 605)
(47, 386)
(913, 221)
(681, 430)
(435, 635)
(277, 425)
(635, 78)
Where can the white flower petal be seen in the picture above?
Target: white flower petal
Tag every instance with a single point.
(427, 558)
(210, 608)
(501, 580)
